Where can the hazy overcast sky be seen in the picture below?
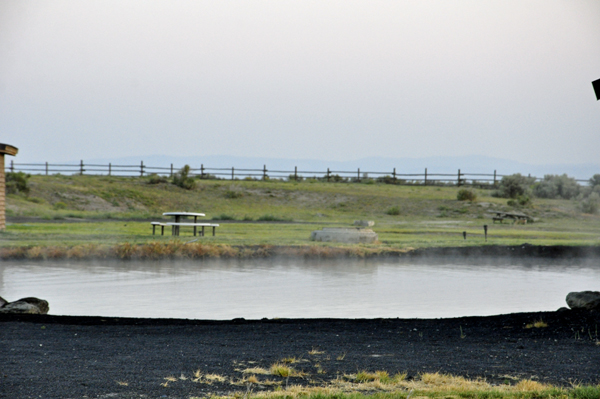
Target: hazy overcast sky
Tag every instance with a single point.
(335, 80)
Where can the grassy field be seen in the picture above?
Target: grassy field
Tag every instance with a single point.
(75, 210)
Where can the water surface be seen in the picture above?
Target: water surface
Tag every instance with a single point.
(225, 289)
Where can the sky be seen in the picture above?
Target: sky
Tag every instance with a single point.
(329, 80)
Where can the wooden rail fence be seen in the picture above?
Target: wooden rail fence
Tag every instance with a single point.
(141, 170)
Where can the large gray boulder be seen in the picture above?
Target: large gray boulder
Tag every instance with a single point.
(25, 305)
(589, 300)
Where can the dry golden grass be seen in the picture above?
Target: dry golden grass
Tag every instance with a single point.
(537, 324)
(255, 370)
(285, 371)
(315, 351)
(290, 360)
(122, 383)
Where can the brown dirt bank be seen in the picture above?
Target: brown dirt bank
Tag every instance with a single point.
(60, 357)
(180, 250)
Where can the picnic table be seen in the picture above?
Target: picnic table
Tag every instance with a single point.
(516, 217)
(177, 223)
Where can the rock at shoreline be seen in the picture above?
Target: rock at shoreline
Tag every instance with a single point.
(28, 305)
(589, 300)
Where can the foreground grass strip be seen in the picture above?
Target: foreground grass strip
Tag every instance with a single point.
(379, 385)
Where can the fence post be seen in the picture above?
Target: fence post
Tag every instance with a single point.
(425, 183)
(81, 167)
(458, 183)
(202, 171)
(46, 168)
(142, 169)
(232, 173)
(109, 168)
(327, 174)
(12, 167)
(295, 173)
(264, 172)
(358, 174)
(494, 177)
(394, 174)
(171, 175)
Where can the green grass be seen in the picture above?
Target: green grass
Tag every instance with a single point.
(112, 210)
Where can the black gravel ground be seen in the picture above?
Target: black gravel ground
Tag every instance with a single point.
(94, 357)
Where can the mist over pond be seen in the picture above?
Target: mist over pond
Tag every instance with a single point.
(284, 288)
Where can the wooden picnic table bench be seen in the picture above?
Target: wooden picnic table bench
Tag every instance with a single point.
(176, 232)
(195, 226)
(178, 223)
(177, 216)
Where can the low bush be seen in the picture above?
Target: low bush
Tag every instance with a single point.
(595, 180)
(156, 179)
(17, 183)
(233, 194)
(271, 218)
(466, 195)
(60, 205)
(387, 179)
(393, 211)
(223, 216)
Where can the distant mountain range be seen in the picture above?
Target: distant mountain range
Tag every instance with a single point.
(447, 164)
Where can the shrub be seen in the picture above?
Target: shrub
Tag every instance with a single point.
(223, 216)
(466, 195)
(271, 218)
(393, 211)
(513, 186)
(182, 178)
(156, 179)
(591, 204)
(231, 194)
(17, 182)
(60, 205)
(521, 200)
(595, 180)
(557, 186)
(387, 180)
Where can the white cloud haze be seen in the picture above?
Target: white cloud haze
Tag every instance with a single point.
(335, 80)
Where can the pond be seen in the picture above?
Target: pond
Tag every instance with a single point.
(253, 289)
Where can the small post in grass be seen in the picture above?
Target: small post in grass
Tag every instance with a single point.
(425, 176)
(485, 231)
(465, 235)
